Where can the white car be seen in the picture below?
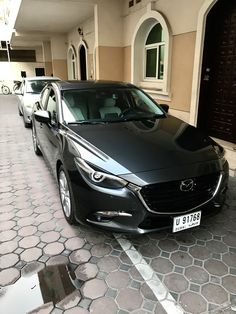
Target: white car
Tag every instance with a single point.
(29, 93)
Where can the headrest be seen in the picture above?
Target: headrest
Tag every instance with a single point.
(109, 102)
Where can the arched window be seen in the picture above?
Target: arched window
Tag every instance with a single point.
(154, 53)
(151, 54)
(72, 64)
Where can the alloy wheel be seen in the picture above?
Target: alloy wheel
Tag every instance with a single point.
(64, 194)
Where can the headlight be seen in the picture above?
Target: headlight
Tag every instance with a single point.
(220, 152)
(98, 178)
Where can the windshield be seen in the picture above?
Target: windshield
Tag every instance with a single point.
(36, 86)
(108, 105)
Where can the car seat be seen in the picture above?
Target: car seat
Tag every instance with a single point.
(109, 109)
(73, 107)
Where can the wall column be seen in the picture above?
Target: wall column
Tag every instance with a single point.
(109, 51)
(59, 56)
(47, 57)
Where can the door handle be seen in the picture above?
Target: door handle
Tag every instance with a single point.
(41, 125)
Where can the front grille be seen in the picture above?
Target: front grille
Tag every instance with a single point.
(167, 197)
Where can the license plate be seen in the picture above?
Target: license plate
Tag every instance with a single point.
(186, 221)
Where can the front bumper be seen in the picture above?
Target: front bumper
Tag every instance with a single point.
(123, 210)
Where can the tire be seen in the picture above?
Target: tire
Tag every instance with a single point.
(5, 90)
(19, 112)
(27, 125)
(66, 196)
(35, 142)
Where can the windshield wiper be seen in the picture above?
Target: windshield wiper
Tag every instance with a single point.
(86, 122)
(137, 118)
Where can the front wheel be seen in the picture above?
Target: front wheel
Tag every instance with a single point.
(5, 90)
(66, 196)
(35, 142)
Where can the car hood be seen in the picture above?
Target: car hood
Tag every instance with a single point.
(148, 145)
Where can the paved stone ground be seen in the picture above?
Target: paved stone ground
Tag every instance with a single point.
(198, 267)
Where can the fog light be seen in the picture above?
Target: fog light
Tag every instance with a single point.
(112, 214)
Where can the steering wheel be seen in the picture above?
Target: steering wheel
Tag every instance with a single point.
(126, 111)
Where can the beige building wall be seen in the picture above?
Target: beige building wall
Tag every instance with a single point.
(59, 68)
(59, 56)
(48, 68)
(111, 63)
(182, 70)
(127, 64)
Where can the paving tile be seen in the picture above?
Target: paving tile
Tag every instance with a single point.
(181, 259)
(129, 299)
(31, 254)
(193, 303)
(80, 256)
(28, 242)
(229, 259)
(27, 231)
(162, 265)
(216, 246)
(118, 279)
(149, 250)
(7, 225)
(57, 260)
(86, 271)
(7, 247)
(214, 293)
(74, 243)
(101, 249)
(200, 252)
(159, 309)
(168, 245)
(108, 263)
(176, 282)
(70, 300)
(230, 239)
(103, 305)
(50, 236)
(196, 274)
(6, 216)
(7, 235)
(94, 288)
(229, 283)
(76, 310)
(44, 309)
(54, 248)
(215, 267)
(31, 268)
(8, 260)
(147, 292)
(8, 276)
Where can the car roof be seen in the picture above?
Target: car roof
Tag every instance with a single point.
(41, 78)
(90, 84)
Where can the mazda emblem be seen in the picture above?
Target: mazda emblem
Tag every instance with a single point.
(186, 185)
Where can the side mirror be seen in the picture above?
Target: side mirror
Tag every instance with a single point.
(165, 107)
(17, 92)
(42, 116)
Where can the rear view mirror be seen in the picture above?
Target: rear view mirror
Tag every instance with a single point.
(42, 116)
(165, 107)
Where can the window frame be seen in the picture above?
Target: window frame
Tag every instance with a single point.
(53, 122)
(156, 46)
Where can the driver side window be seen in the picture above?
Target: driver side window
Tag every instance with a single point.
(52, 106)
